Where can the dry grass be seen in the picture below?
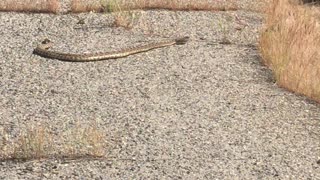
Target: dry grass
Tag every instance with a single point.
(125, 16)
(290, 46)
(84, 141)
(37, 142)
(99, 5)
(176, 5)
(30, 5)
(32, 144)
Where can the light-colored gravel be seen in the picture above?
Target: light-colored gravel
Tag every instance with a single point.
(200, 111)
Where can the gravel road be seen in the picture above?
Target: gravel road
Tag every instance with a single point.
(204, 110)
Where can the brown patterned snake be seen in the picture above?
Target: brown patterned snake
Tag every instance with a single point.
(42, 50)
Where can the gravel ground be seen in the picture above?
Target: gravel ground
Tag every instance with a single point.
(204, 110)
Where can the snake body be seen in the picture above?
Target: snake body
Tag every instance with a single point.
(42, 50)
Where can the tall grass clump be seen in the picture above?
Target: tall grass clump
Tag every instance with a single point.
(290, 44)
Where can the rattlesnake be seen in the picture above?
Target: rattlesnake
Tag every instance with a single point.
(42, 50)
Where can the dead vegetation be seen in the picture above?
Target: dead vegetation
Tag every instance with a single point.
(37, 142)
(125, 13)
(176, 5)
(53, 6)
(48, 6)
(290, 45)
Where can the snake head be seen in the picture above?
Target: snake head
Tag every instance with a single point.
(46, 41)
(45, 44)
(183, 40)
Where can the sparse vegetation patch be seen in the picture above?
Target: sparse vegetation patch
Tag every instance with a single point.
(177, 5)
(37, 142)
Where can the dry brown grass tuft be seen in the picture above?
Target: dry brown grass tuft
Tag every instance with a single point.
(84, 141)
(36, 142)
(32, 144)
(49, 6)
(86, 6)
(290, 46)
(125, 19)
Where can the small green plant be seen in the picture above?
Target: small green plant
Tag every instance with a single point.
(123, 17)
(225, 33)
(110, 5)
